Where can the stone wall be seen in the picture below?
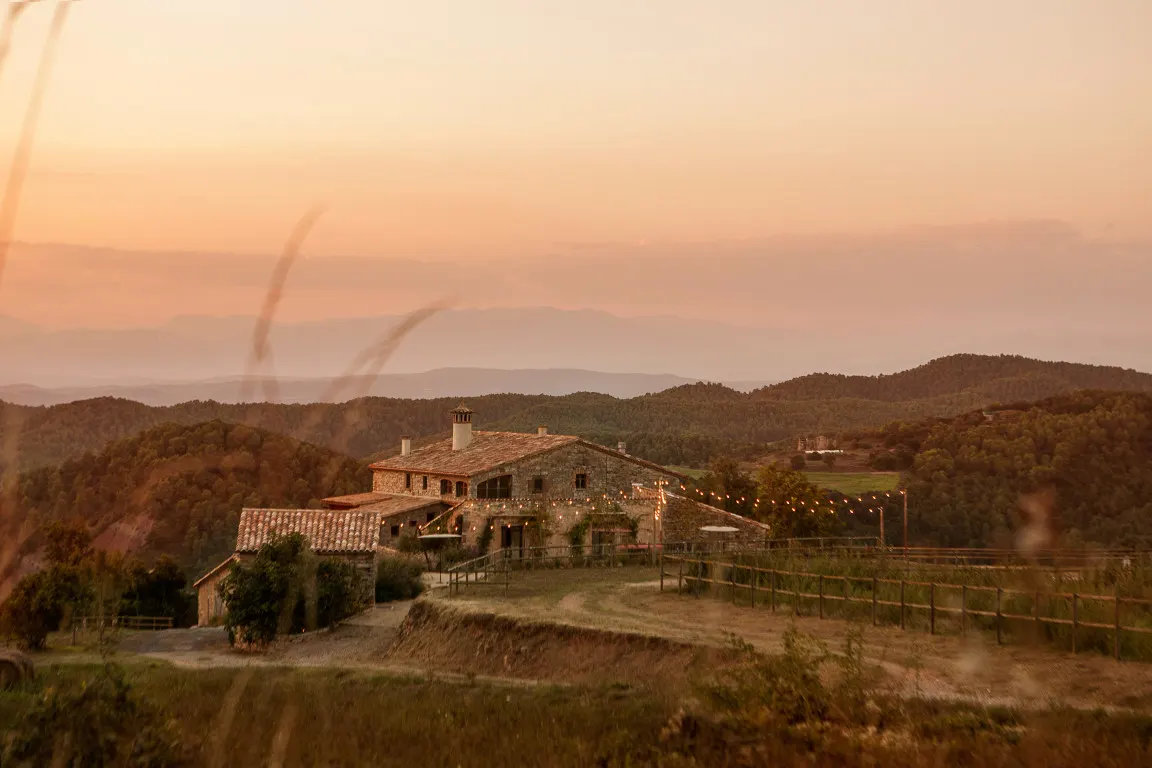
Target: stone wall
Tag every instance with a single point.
(683, 518)
(549, 522)
(604, 472)
(394, 481)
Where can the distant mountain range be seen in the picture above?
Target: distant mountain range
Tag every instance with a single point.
(443, 382)
(526, 342)
(686, 424)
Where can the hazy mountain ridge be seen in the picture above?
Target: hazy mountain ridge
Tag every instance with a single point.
(994, 376)
(685, 424)
(442, 382)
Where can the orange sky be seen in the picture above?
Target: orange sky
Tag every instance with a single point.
(471, 130)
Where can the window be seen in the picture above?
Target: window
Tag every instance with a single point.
(425, 482)
(395, 530)
(411, 523)
(431, 517)
(461, 488)
(407, 479)
(581, 480)
(495, 488)
(445, 487)
(538, 484)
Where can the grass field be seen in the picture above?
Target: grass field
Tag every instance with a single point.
(304, 717)
(855, 482)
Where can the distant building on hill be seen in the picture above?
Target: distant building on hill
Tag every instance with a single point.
(525, 489)
(817, 443)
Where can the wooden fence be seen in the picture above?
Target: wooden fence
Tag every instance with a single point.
(146, 623)
(927, 600)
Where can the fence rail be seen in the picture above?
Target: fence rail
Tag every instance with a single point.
(145, 623)
(1063, 609)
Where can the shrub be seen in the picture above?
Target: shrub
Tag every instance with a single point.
(484, 540)
(338, 593)
(100, 722)
(798, 461)
(398, 579)
(409, 544)
(829, 460)
(158, 591)
(885, 462)
(286, 588)
(786, 686)
(37, 604)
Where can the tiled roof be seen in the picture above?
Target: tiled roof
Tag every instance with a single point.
(489, 450)
(486, 451)
(327, 530)
(395, 505)
(355, 500)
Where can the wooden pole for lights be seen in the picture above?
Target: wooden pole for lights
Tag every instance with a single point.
(904, 493)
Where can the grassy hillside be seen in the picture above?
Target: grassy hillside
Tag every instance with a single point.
(178, 490)
(683, 425)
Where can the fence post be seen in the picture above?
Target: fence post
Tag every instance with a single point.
(753, 577)
(680, 578)
(1036, 616)
(932, 608)
(874, 584)
(901, 603)
(732, 580)
(821, 597)
(999, 617)
(772, 578)
(1116, 631)
(661, 570)
(963, 610)
(1075, 620)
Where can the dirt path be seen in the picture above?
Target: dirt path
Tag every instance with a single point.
(972, 668)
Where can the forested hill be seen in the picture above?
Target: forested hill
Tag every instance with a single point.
(1093, 448)
(178, 489)
(683, 425)
(1001, 378)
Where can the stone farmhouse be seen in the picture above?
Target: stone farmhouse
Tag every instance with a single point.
(496, 490)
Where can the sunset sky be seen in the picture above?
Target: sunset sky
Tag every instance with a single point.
(467, 130)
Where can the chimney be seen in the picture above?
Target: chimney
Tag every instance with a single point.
(542, 430)
(622, 447)
(461, 427)
(405, 445)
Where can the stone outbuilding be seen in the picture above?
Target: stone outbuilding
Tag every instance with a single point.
(352, 535)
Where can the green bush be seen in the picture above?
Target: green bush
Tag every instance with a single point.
(286, 588)
(100, 722)
(37, 604)
(798, 461)
(398, 579)
(158, 591)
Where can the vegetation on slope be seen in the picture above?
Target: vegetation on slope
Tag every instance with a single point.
(1094, 449)
(966, 475)
(684, 425)
(182, 488)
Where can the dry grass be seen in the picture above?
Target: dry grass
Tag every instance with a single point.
(18, 171)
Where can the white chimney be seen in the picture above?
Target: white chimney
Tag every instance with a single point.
(622, 447)
(461, 428)
(541, 430)
(405, 445)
